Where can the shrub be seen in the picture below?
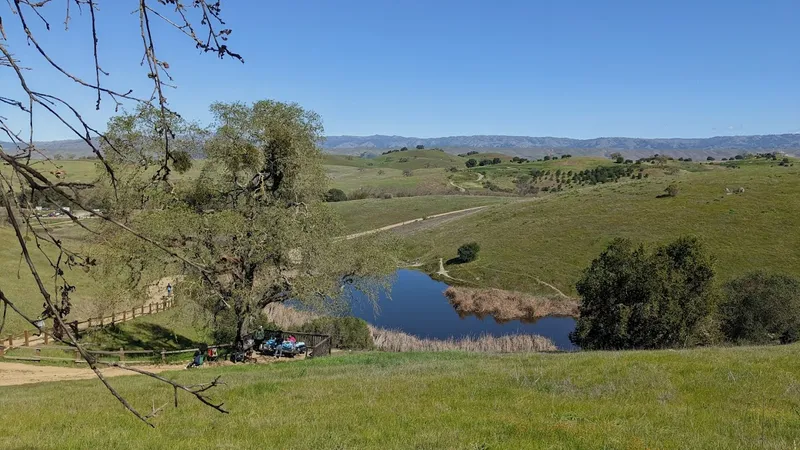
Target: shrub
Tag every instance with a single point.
(619, 160)
(468, 252)
(760, 308)
(381, 172)
(420, 147)
(403, 160)
(671, 190)
(472, 162)
(361, 193)
(387, 196)
(635, 298)
(710, 158)
(404, 149)
(335, 195)
(346, 332)
(408, 172)
(497, 161)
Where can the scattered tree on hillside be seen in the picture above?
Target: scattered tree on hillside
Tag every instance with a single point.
(472, 162)
(710, 158)
(468, 252)
(672, 190)
(335, 195)
(404, 149)
(420, 147)
(497, 161)
(633, 298)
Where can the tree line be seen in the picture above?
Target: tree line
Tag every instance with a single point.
(634, 297)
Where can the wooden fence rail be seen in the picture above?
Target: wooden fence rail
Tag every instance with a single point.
(27, 338)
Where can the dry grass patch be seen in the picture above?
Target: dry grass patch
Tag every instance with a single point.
(506, 306)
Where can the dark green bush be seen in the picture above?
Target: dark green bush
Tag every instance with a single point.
(346, 332)
(635, 298)
(335, 195)
(468, 252)
(761, 308)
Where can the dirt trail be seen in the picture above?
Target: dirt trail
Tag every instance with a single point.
(14, 374)
(543, 283)
(409, 222)
(462, 189)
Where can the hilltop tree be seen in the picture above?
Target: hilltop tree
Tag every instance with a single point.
(420, 147)
(251, 229)
(632, 298)
(472, 162)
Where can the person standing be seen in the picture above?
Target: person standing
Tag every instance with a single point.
(258, 337)
(169, 290)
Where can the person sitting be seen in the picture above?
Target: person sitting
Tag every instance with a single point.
(197, 361)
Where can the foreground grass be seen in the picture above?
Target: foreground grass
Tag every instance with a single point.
(368, 214)
(706, 398)
(554, 238)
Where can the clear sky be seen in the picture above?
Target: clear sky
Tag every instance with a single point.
(428, 68)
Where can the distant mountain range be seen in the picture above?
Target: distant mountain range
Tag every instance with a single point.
(529, 146)
(760, 142)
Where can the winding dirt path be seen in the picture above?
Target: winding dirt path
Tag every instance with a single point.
(543, 283)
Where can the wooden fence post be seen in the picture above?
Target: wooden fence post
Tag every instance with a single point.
(113, 317)
(26, 337)
(46, 339)
(163, 357)
(124, 315)
(77, 355)
(133, 313)
(90, 323)
(10, 340)
(151, 308)
(142, 309)
(2, 351)
(121, 354)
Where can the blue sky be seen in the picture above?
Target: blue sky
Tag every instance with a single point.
(577, 69)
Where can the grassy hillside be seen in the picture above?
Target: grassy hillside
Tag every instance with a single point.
(20, 287)
(705, 398)
(368, 214)
(555, 237)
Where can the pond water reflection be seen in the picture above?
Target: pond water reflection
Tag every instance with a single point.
(419, 307)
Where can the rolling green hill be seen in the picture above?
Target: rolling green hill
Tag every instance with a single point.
(704, 398)
(554, 237)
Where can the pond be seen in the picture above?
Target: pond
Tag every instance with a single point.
(418, 307)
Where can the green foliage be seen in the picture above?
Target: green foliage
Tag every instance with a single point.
(347, 332)
(468, 252)
(761, 308)
(335, 195)
(420, 147)
(472, 162)
(634, 298)
(252, 228)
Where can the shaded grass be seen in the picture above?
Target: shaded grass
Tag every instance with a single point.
(555, 237)
(706, 398)
(169, 330)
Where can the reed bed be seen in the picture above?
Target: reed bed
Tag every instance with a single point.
(398, 341)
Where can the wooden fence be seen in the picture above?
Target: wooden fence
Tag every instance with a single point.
(28, 338)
